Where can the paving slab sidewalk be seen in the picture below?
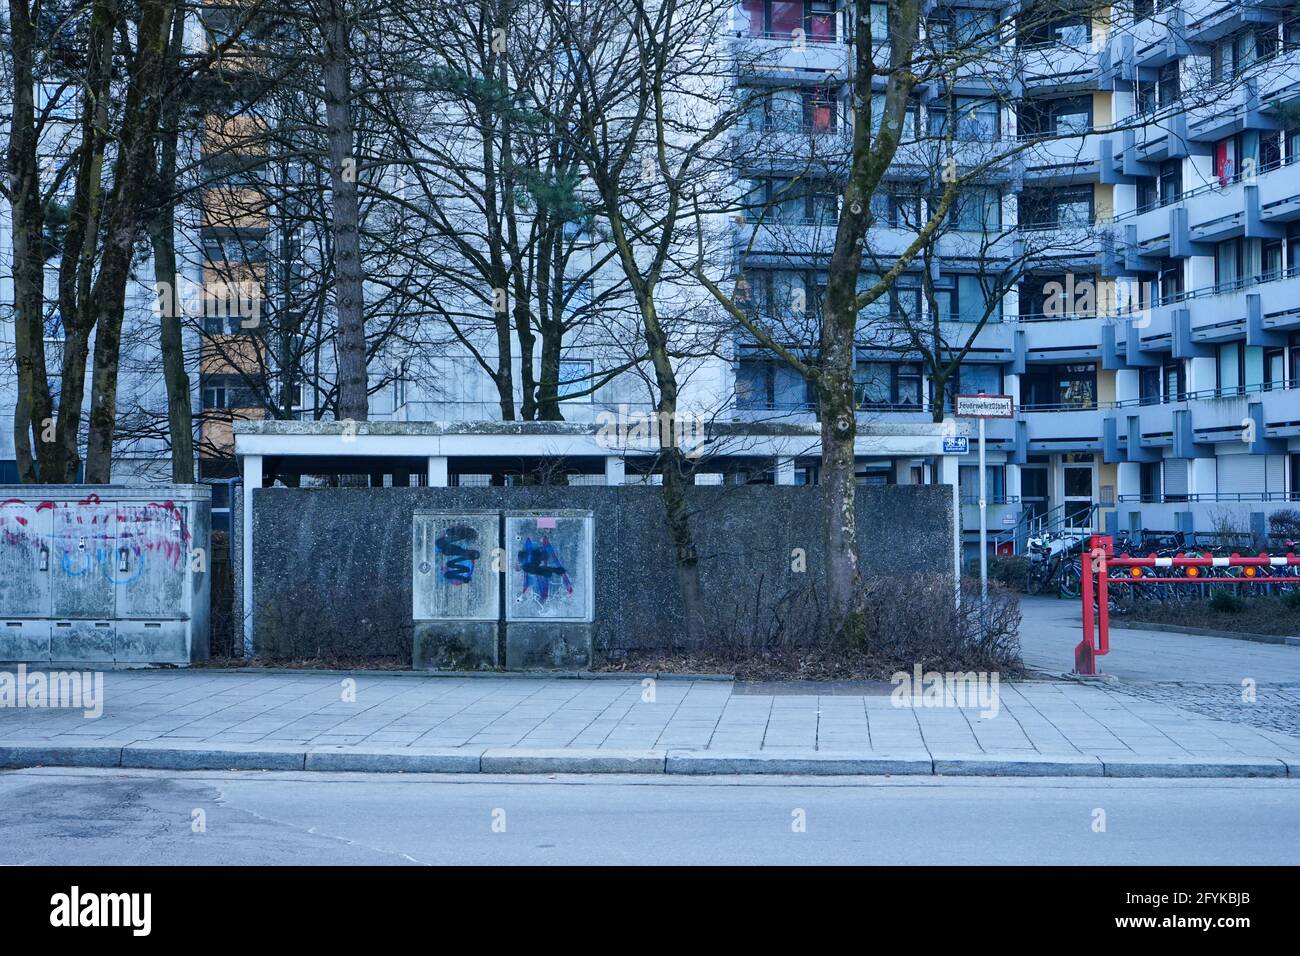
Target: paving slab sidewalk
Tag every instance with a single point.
(210, 719)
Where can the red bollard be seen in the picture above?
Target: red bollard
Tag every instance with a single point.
(1096, 626)
(1084, 661)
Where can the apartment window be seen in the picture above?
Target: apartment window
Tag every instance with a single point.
(819, 110)
(1270, 260)
(1167, 85)
(973, 118)
(961, 298)
(1293, 247)
(1274, 369)
(1291, 41)
(1230, 368)
(245, 249)
(979, 378)
(794, 201)
(1270, 149)
(1069, 385)
(814, 109)
(1161, 91)
(898, 207)
(574, 379)
(903, 298)
(1149, 386)
(228, 391)
(1237, 53)
(977, 209)
(911, 118)
(1170, 280)
(963, 28)
(1149, 477)
(1229, 264)
(995, 487)
(1054, 22)
(781, 18)
(1066, 206)
(769, 384)
(1175, 382)
(578, 296)
(1171, 181)
(1063, 116)
(887, 385)
(879, 23)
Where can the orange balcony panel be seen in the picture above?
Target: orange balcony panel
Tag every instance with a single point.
(234, 134)
(216, 431)
(231, 354)
(232, 207)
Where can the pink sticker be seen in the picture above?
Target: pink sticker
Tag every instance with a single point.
(546, 522)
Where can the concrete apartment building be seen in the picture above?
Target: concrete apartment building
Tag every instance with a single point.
(1154, 353)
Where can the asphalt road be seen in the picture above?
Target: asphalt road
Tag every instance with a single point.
(54, 816)
(1051, 627)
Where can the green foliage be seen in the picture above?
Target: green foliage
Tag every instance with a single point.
(1285, 523)
(551, 194)
(1225, 602)
(56, 229)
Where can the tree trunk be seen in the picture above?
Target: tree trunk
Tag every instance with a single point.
(180, 414)
(672, 469)
(33, 409)
(138, 137)
(839, 429)
(81, 242)
(349, 303)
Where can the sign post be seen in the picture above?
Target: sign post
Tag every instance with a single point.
(982, 407)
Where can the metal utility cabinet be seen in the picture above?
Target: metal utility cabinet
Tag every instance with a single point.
(104, 574)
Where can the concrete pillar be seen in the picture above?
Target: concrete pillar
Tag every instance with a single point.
(1202, 374)
(438, 471)
(615, 470)
(1128, 383)
(1128, 479)
(1013, 483)
(1202, 476)
(948, 476)
(783, 472)
(252, 481)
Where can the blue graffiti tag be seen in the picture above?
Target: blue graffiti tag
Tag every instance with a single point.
(458, 561)
(540, 563)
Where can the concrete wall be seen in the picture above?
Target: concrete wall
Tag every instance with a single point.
(332, 567)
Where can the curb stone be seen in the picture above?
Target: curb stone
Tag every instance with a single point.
(817, 763)
(1018, 765)
(393, 760)
(525, 760)
(165, 755)
(1138, 766)
(37, 754)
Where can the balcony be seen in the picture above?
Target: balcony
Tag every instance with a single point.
(1279, 193)
(1072, 159)
(1063, 428)
(1280, 410)
(785, 55)
(1155, 426)
(794, 147)
(1059, 68)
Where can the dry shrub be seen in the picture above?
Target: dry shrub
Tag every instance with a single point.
(910, 619)
(914, 619)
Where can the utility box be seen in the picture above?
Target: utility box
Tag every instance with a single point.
(104, 574)
(478, 603)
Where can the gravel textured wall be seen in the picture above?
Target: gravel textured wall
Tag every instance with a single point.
(332, 567)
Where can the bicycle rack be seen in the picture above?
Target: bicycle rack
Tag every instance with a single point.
(1100, 557)
(1049, 522)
